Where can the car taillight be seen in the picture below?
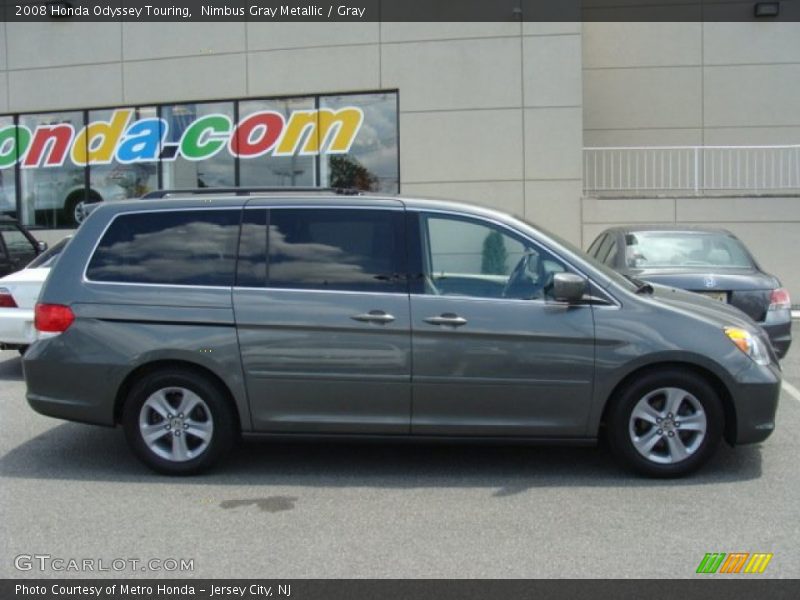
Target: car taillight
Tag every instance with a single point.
(6, 299)
(779, 299)
(53, 318)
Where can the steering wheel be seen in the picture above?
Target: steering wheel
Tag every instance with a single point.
(520, 284)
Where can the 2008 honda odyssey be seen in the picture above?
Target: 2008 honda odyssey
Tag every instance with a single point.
(190, 320)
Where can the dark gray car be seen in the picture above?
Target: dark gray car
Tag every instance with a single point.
(189, 321)
(708, 261)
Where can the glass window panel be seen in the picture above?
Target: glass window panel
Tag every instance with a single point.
(465, 257)
(251, 268)
(8, 186)
(351, 250)
(177, 248)
(372, 161)
(50, 193)
(17, 244)
(267, 169)
(117, 181)
(206, 170)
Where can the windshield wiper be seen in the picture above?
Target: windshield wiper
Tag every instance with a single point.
(642, 287)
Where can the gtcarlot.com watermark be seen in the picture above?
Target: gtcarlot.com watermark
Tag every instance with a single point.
(58, 564)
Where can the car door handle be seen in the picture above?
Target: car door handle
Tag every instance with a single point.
(447, 319)
(374, 316)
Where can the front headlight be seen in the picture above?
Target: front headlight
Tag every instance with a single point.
(749, 343)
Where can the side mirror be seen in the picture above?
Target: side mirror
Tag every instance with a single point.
(41, 246)
(568, 287)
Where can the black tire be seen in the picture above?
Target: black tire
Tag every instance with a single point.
(700, 400)
(214, 408)
(22, 350)
(69, 217)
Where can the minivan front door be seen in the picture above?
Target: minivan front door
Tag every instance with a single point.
(493, 355)
(324, 328)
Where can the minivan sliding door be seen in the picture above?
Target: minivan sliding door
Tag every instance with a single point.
(323, 325)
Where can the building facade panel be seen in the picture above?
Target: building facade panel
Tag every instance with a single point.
(310, 70)
(608, 45)
(456, 74)
(551, 72)
(143, 41)
(461, 146)
(55, 43)
(65, 87)
(190, 78)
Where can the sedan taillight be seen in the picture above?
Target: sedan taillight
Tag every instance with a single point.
(6, 299)
(53, 318)
(779, 299)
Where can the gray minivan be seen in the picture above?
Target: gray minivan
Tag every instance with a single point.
(190, 320)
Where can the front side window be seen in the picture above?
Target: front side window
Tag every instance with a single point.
(466, 257)
(337, 249)
(17, 244)
(196, 247)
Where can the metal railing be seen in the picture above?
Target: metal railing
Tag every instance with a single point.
(694, 169)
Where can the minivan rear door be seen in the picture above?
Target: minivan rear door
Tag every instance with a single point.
(323, 325)
(493, 354)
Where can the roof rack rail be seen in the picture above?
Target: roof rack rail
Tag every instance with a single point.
(246, 191)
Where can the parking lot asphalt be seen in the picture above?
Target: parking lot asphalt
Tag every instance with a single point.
(297, 510)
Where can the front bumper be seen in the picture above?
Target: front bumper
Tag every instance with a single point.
(755, 399)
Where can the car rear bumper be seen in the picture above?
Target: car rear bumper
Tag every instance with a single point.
(780, 335)
(16, 327)
(755, 400)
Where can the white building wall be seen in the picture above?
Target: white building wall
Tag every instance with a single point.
(489, 112)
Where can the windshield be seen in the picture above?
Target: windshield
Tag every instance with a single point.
(651, 249)
(48, 258)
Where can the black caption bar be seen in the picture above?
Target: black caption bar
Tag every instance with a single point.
(700, 588)
(402, 10)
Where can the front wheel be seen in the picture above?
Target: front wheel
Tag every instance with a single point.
(178, 422)
(665, 423)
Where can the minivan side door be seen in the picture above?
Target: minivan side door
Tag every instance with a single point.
(493, 353)
(324, 328)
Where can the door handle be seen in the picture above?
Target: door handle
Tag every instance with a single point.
(451, 319)
(374, 316)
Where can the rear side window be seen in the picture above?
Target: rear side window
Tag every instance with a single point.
(337, 249)
(195, 247)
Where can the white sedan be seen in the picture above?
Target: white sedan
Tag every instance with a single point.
(18, 295)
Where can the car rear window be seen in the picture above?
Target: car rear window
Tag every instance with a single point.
(646, 249)
(188, 247)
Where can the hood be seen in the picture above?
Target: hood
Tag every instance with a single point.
(711, 310)
(708, 279)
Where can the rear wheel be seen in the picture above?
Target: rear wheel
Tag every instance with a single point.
(178, 422)
(665, 423)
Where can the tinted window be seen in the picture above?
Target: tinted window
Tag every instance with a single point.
(251, 270)
(174, 248)
(337, 249)
(466, 257)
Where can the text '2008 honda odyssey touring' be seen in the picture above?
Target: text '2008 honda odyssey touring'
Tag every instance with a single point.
(189, 320)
